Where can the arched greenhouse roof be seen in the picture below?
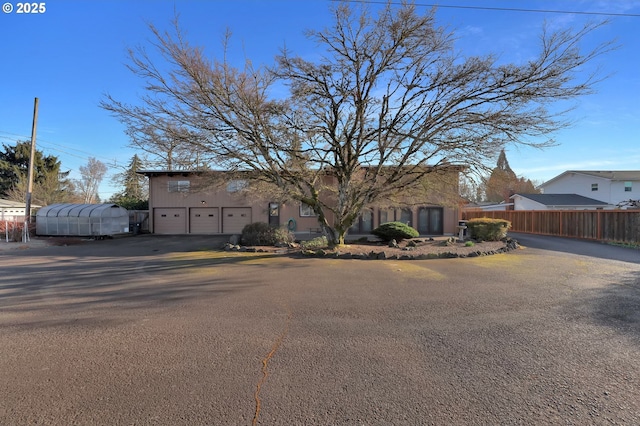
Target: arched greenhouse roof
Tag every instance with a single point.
(82, 210)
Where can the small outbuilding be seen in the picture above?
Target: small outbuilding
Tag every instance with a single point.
(82, 220)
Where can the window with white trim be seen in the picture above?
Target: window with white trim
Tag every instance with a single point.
(628, 187)
(594, 186)
(178, 185)
(306, 210)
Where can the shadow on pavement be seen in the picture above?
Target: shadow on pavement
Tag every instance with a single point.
(616, 305)
(124, 274)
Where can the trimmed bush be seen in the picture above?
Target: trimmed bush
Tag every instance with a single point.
(487, 229)
(395, 231)
(263, 234)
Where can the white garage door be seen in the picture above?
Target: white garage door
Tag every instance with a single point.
(203, 220)
(169, 221)
(234, 219)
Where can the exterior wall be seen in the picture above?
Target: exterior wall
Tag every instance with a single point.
(522, 203)
(198, 201)
(190, 202)
(609, 191)
(291, 211)
(12, 213)
(577, 183)
(618, 193)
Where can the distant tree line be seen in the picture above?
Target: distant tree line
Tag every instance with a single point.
(498, 186)
(53, 185)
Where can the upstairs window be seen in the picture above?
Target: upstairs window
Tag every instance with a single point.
(594, 186)
(306, 210)
(627, 187)
(178, 185)
(236, 185)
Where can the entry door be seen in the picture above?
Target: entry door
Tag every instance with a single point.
(430, 221)
(274, 214)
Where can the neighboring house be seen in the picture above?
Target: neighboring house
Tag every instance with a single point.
(556, 202)
(610, 187)
(180, 202)
(489, 207)
(13, 210)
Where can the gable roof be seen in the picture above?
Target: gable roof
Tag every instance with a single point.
(562, 200)
(613, 175)
(10, 204)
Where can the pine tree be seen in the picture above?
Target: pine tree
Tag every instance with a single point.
(135, 195)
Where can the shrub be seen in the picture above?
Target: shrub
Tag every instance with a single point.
(263, 234)
(283, 235)
(486, 229)
(395, 231)
(13, 230)
(316, 243)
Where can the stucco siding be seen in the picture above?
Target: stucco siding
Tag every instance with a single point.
(201, 208)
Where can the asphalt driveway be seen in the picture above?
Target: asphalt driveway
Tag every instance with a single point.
(580, 247)
(163, 330)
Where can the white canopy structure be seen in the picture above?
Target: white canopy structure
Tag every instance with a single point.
(95, 220)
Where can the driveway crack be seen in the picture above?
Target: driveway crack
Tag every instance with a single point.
(265, 364)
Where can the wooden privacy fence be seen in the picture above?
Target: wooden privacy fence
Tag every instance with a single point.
(602, 225)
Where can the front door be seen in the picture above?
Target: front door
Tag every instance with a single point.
(430, 220)
(274, 214)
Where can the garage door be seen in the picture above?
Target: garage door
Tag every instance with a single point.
(169, 221)
(203, 220)
(234, 219)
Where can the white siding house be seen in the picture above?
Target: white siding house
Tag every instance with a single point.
(556, 202)
(13, 210)
(610, 187)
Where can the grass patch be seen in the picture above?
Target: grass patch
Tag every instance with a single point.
(625, 245)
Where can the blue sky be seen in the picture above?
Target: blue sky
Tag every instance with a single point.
(75, 51)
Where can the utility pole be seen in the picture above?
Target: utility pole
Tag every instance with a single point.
(27, 216)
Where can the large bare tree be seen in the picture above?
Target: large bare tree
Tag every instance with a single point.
(388, 102)
(91, 176)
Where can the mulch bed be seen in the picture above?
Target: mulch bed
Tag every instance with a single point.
(406, 250)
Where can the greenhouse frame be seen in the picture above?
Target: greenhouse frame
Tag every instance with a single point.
(83, 220)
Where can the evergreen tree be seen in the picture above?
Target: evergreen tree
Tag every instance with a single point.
(503, 182)
(135, 195)
(50, 185)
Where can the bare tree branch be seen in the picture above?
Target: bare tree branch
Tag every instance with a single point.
(389, 103)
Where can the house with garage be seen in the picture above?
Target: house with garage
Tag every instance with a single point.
(556, 202)
(610, 187)
(183, 202)
(13, 210)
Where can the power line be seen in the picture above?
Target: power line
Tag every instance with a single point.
(500, 9)
(14, 137)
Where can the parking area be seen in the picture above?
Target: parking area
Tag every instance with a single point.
(167, 330)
